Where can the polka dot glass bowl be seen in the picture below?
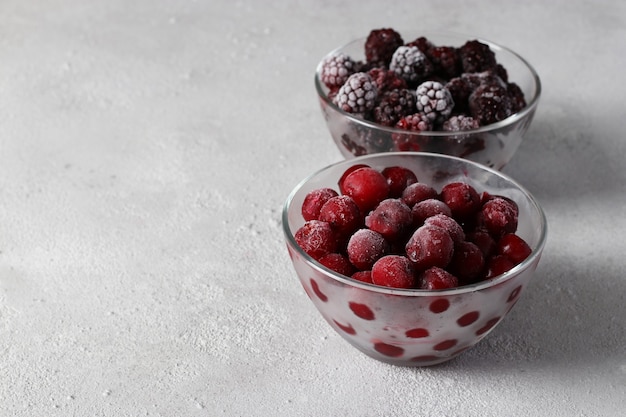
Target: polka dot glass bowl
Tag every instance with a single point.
(416, 327)
(493, 145)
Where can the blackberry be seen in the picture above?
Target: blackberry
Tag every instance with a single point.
(411, 64)
(446, 60)
(394, 105)
(477, 56)
(434, 100)
(380, 46)
(518, 101)
(357, 95)
(485, 77)
(386, 80)
(490, 103)
(417, 122)
(460, 122)
(422, 43)
(335, 69)
(460, 90)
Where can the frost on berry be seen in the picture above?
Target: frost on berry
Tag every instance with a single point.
(417, 192)
(365, 247)
(498, 216)
(477, 56)
(313, 202)
(490, 103)
(428, 208)
(434, 100)
(392, 218)
(459, 123)
(462, 198)
(411, 64)
(417, 122)
(336, 68)
(357, 95)
(380, 46)
(386, 80)
(338, 263)
(394, 271)
(316, 238)
(394, 105)
(437, 279)
(430, 246)
(342, 213)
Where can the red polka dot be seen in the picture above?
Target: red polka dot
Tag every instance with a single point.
(440, 305)
(362, 311)
(468, 318)
(492, 322)
(417, 333)
(514, 294)
(388, 350)
(317, 291)
(348, 329)
(446, 344)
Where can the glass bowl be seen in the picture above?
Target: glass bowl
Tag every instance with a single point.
(493, 145)
(416, 327)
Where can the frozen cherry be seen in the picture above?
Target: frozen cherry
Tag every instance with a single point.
(393, 271)
(462, 199)
(342, 213)
(428, 208)
(482, 239)
(417, 192)
(430, 246)
(314, 201)
(449, 225)
(391, 218)
(348, 172)
(338, 263)
(367, 187)
(467, 262)
(437, 279)
(363, 276)
(498, 265)
(514, 247)
(398, 178)
(499, 216)
(365, 247)
(316, 238)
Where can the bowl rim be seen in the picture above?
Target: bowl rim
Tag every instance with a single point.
(478, 286)
(512, 119)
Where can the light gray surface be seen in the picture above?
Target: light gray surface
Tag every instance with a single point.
(146, 149)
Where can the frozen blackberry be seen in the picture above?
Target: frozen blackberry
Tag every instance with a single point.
(477, 57)
(357, 95)
(380, 46)
(434, 100)
(393, 106)
(446, 60)
(422, 43)
(460, 122)
(485, 77)
(386, 80)
(417, 122)
(490, 103)
(335, 69)
(460, 90)
(411, 64)
(518, 101)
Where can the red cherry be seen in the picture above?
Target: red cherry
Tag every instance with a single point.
(393, 271)
(398, 178)
(367, 187)
(514, 247)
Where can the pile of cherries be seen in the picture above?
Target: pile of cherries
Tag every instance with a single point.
(384, 227)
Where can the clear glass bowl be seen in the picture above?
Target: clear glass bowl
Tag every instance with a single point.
(416, 327)
(492, 145)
